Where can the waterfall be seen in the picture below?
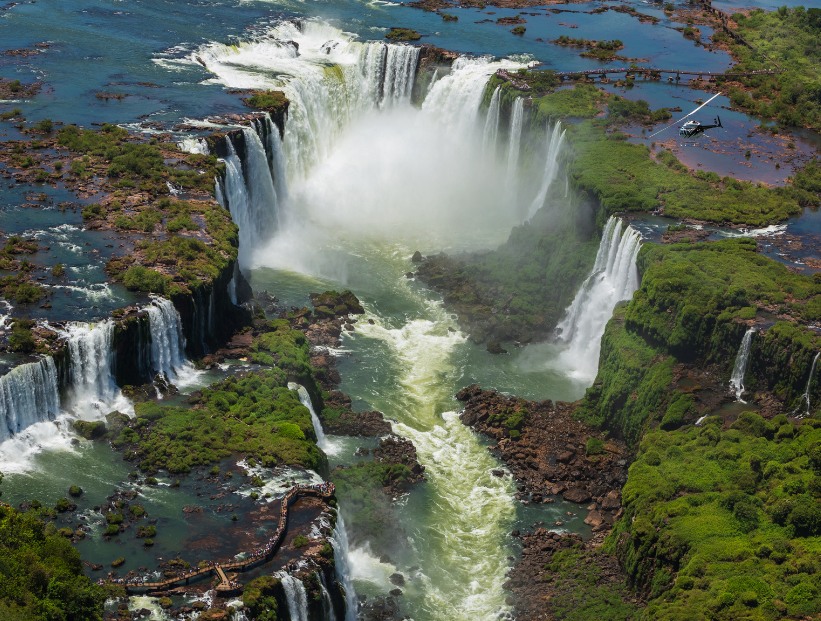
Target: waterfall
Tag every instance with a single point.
(90, 378)
(327, 602)
(492, 121)
(260, 183)
(235, 194)
(456, 98)
(295, 596)
(740, 367)
(614, 278)
(400, 71)
(554, 141)
(167, 341)
(321, 440)
(328, 77)
(343, 567)
(28, 395)
(514, 140)
(805, 398)
(276, 158)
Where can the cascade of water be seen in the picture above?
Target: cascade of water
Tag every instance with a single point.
(239, 615)
(327, 602)
(295, 596)
(263, 200)
(91, 380)
(327, 76)
(343, 567)
(455, 98)
(554, 142)
(492, 121)
(740, 367)
(614, 278)
(167, 341)
(805, 398)
(400, 71)
(321, 440)
(514, 140)
(28, 394)
(277, 159)
(235, 194)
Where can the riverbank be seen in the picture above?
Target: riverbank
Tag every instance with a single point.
(702, 455)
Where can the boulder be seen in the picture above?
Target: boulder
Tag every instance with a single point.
(576, 494)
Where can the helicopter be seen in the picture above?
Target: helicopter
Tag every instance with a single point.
(691, 129)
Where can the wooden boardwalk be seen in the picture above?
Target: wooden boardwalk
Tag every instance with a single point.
(648, 73)
(257, 557)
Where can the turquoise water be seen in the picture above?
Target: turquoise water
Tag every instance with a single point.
(452, 541)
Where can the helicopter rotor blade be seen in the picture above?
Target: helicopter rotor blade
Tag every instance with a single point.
(685, 116)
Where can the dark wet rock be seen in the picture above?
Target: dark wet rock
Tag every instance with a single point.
(383, 608)
(495, 347)
(397, 579)
(417, 257)
(90, 430)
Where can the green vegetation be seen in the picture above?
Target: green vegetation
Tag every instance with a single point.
(786, 39)
(690, 308)
(259, 596)
(518, 30)
(41, 574)
(725, 523)
(139, 278)
(581, 592)
(18, 288)
(621, 110)
(600, 50)
(139, 164)
(285, 348)
(21, 339)
(167, 264)
(625, 177)
(255, 415)
(403, 34)
(273, 102)
(179, 262)
(11, 114)
(300, 541)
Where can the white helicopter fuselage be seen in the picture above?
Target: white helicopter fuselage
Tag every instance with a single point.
(689, 128)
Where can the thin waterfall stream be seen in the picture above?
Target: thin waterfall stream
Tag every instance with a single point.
(742, 359)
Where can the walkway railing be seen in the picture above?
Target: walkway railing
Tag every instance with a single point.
(255, 558)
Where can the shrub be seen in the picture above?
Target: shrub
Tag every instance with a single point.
(139, 278)
(594, 446)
